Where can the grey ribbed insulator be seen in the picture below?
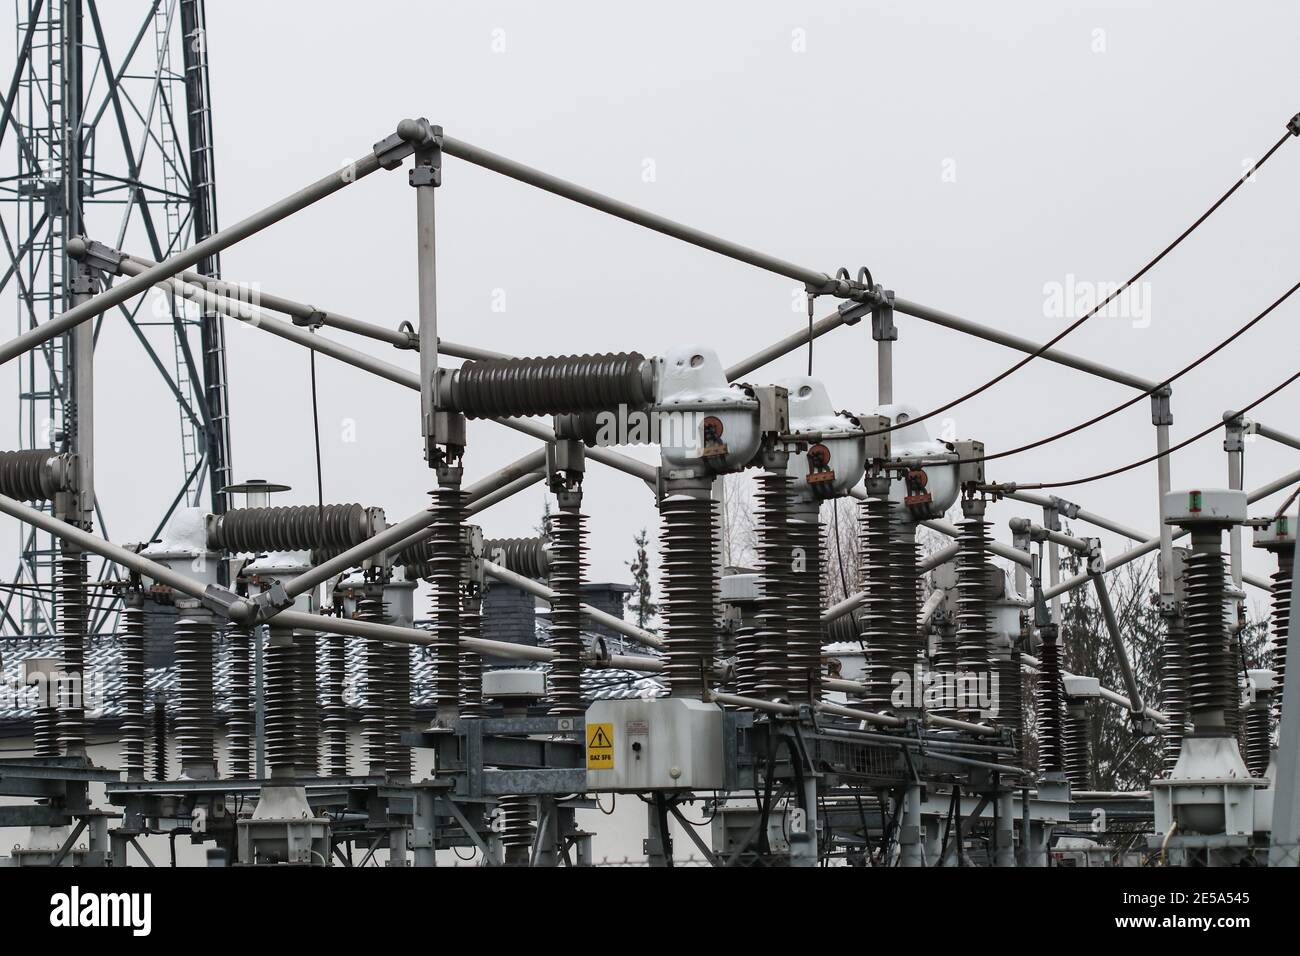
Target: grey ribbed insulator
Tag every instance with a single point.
(1211, 676)
(1075, 744)
(280, 694)
(471, 665)
(195, 720)
(1281, 620)
(1173, 691)
(131, 670)
(516, 813)
(568, 563)
(291, 528)
(34, 474)
(399, 708)
(307, 704)
(891, 605)
(527, 556)
(747, 648)
(1051, 756)
(1010, 700)
(972, 611)
(845, 629)
(444, 573)
(803, 606)
(334, 719)
(73, 617)
(239, 726)
(45, 734)
(159, 737)
(689, 583)
(550, 385)
(878, 635)
(1257, 734)
(772, 669)
(375, 716)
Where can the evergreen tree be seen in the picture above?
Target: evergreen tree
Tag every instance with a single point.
(641, 603)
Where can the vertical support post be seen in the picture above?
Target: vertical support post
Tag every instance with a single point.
(425, 177)
(423, 825)
(1162, 417)
(1020, 540)
(1285, 849)
(1234, 438)
(77, 508)
(1006, 843)
(909, 832)
(547, 846)
(803, 845)
(397, 848)
(658, 844)
(203, 215)
(885, 334)
(1026, 828)
(1052, 522)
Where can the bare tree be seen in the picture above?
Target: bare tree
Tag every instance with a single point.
(737, 522)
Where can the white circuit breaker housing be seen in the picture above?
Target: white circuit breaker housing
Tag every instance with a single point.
(665, 743)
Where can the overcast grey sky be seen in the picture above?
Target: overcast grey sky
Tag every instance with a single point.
(970, 154)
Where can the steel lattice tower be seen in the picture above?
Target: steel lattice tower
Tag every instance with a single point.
(108, 113)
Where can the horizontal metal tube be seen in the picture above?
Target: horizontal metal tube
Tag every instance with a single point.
(957, 323)
(1046, 501)
(840, 608)
(217, 599)
(856, 687)
(941, 556)
(505, 491)
(753, 703)
(394, 634)
(457, 350)
(819, 281)
(995, 547)
(256, 296)
(880, 720)
(260, 318)
(529, 586)
(394, 373)
(847, 315)
(935, 720)
(1273, 434)
(117, 294)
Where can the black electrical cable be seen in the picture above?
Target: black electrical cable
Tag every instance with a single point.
(1293, 129)
(1156, 457)
(1141, 395)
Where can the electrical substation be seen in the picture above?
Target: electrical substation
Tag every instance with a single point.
(272, 695)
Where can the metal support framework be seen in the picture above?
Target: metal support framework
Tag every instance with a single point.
(814, 748)
(113, 139)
